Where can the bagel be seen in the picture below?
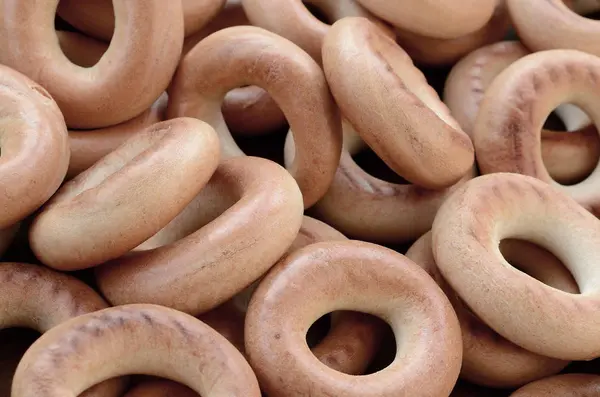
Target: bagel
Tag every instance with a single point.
(130, 76)
(568, 157)
(359, 276)
(247, 55)
(516, 104)
(466, 233)
(133, 339)
(184, 264)
(39, 298)
(35, 147)
(126, 197)
(391, 106)
(550, 24)
(562, 385)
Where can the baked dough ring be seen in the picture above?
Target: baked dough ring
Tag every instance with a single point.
(488, 358)
(35, 297)
(550, 24)
(466, 233)
(133, 339)
(516, 105)
(127, 196)
(568, 157)
(391, 106)
(572, 385)
(357, 276)
(135, 70)
(247, 55)
(443, 19)
(35, 147)
(184, 265)
(97, 17)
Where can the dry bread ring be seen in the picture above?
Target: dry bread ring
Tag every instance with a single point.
(97, 17)
(127, 196)
(133, 339)
(134, 71)
(39, 298)
(572, 385)
(550, 24)
(391, 106)
(444, 19)
(489, 359)
(292, 20)
(466, 234)
(247, 55)
(184, 264)
(516, 105)
(429, 350)
(35, 147)
(568, 157)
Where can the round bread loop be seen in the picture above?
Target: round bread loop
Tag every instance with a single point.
(516, 105)
(466, 233)
(127, 196)
(489, 359)
(575, 385)
(96, 18)
(35, 297)
(391, 106)
(184, 265)
(161, 388)
(292, 20)
(133, 339)
(357, 276)
(432, 51)
(89, 146)
(35, 147)
(247, 55)
(550, 24)
(568, 157)
(130, 76)
(443, 19)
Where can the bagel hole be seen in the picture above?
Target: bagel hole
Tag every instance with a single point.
(317, 12)
(368, 160)
(14, 343)
(570, 145)
(539, 263)
(371, 333)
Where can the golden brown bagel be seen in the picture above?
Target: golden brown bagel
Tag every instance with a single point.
(391, 106)
(516, 105)
(568, 157)
(184, 264)
(97, 17)
(488, 358)
(127, 196)
(466, 233)
(39, 298)
(133, 339)
(135, 70)
(356, 276)
(35, 146)
(433, 51)
(571, 385)
(247, 55)
(444, 19)
(550, 24)
(292, 20)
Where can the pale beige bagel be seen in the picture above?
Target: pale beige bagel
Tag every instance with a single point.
(247, 55)
(444, 19)
(127, 196)
(466, 234)
(550, 24)
(130, 76)
(357, 276)
(239, 225)
(392, 107)
(571, 385)
(516, 105)
(133, 339)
